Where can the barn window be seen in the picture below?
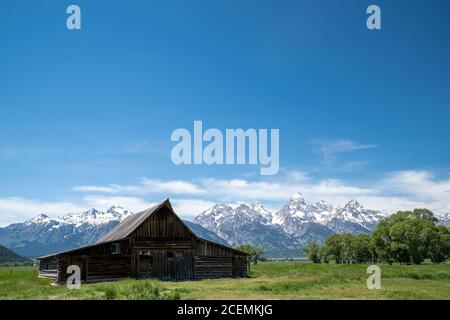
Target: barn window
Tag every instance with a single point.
(116, 248)
(179, 256)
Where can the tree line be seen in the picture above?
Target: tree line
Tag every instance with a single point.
(405, 237)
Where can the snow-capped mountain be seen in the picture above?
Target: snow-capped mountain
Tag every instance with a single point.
(43, 235)
(302, 221)
(296, 223)
(444, 220)
(297, 214)
(354, 218)
(280, 233)
(95, 217)
(246, 224)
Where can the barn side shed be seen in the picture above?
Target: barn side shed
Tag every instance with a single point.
(154, 243)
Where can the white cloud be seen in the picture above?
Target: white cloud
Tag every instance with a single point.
(190, 208)
(401, 190)
(232, 190)
(134, 204)
(174, 187)
(420, 187)
(17, 209)
(146, 186)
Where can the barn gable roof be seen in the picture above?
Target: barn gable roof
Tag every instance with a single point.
(131, 223)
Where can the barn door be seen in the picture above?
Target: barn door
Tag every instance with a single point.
(173, 264)
(145, 263)
(165, 264)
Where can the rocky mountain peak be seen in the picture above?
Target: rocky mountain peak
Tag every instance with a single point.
(353, 205)
(297, 198)
(39, 219)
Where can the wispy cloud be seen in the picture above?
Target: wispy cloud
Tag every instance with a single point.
(146, 186)
(330, 149)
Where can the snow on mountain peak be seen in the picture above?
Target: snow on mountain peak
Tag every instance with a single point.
(444, 219)
(91, 212)
(94, 216)
(353, 204)
(257, 207)
(118, 211)
(215, 213)
(298, 197)
(219, 209)
(42, 218)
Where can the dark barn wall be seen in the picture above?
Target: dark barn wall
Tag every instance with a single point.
(97, 263)
(162, 225)
(215, 261)
(48, 268)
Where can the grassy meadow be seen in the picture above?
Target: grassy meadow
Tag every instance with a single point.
(268, 280)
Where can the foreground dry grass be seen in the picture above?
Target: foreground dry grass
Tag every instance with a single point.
(271, 280)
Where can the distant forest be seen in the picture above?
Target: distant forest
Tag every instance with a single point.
(8, 257)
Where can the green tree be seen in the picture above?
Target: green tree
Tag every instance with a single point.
(324, 253)
(410, 237)
(254, 253)
(312, 250)
(337, 247)
(362, 249)
(439, 249)
(346, 240)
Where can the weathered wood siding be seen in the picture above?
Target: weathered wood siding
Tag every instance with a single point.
(206, 267)
(163, 259)
(163, 224)
(48, 268)
(97, 263)
(216, 261)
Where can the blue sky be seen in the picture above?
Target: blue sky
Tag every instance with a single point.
(86, 116)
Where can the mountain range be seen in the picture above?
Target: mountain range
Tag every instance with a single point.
(280, 233)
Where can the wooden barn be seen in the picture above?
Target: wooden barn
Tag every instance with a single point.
(154, 243)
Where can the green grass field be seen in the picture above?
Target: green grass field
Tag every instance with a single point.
(269, 280)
